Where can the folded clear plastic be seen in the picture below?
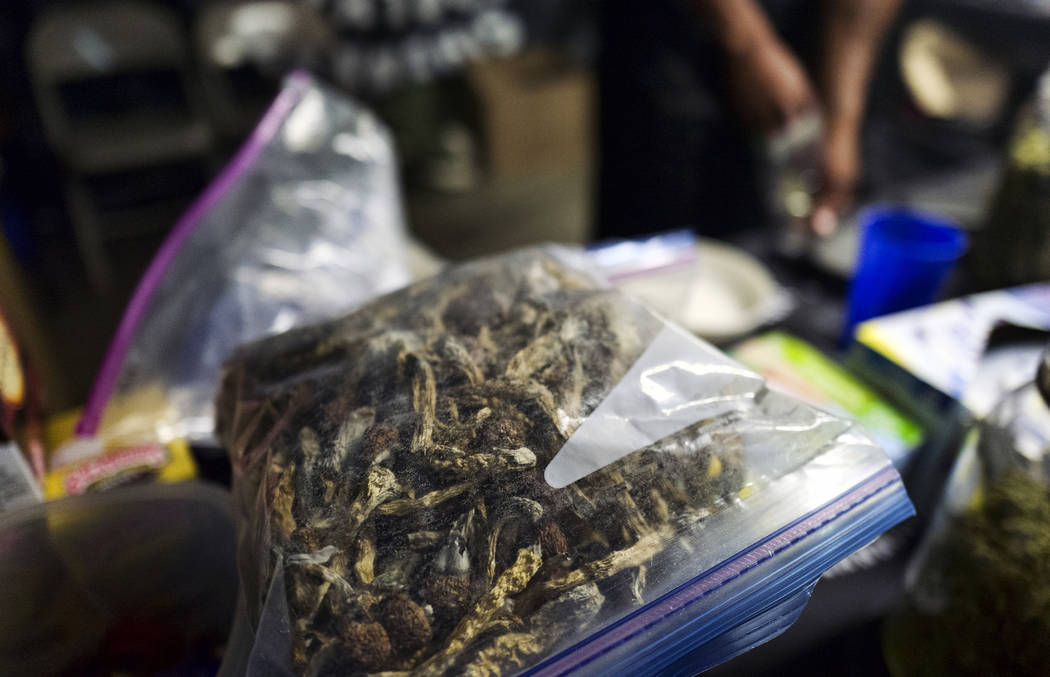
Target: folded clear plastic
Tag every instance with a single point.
(511, 468)
(304, 223)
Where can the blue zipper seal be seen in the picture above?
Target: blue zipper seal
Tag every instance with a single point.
(751, 588)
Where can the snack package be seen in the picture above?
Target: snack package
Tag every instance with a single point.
(20, 422)
(119, 466)
(304, 223)
(19, 411)
(510, 468)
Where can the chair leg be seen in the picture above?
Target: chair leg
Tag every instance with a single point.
(89, 238)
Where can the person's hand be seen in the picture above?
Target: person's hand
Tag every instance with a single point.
(840, 167)
(768, 86)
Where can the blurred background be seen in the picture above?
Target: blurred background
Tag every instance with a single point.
(114, 116)
(767, 128)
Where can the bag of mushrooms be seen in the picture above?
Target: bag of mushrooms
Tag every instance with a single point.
(512, 468)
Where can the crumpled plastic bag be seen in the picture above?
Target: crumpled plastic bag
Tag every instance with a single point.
(304, 223)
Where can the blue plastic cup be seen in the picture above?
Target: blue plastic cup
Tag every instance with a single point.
(904, 259)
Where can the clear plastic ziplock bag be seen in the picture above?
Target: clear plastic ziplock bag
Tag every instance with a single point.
(509, 468)
(304, 223)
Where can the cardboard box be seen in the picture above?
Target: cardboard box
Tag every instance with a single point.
(538, 114)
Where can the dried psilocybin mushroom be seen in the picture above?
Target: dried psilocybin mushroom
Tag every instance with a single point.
(552, 540)
(393, 461)
(405, 622)
(447, 587)
(362, 647)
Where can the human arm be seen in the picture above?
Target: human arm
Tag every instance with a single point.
(852, 32)
(767, 84)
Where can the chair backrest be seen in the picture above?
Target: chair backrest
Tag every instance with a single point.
(113, 85)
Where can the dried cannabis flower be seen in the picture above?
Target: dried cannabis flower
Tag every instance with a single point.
(397, 456)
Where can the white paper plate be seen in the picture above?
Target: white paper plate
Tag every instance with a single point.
(727, 294)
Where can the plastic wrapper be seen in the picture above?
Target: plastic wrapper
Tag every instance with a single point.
(304, 223)
(978, 598)
(510, 468)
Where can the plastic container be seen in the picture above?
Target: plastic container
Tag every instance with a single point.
(135, 579)
(904, 259)
(510, 468)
